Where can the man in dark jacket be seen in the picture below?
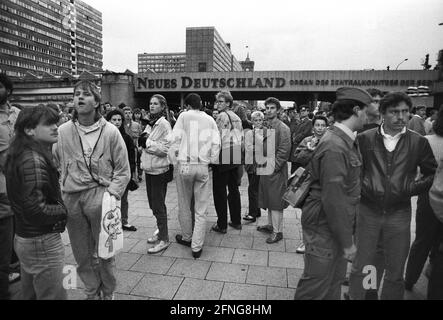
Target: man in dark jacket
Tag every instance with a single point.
(391, 155)
(302, 131)
(329, 211)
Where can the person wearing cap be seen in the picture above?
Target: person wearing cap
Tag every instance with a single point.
(195, 145)
(417, 122)
(329, 212)
(391, 155)
(302, 131)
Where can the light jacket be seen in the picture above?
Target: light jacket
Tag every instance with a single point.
(109, 160)
(154, 158)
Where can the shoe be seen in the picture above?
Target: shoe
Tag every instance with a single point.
(140, 178)
(276, 237)
(128, 227)
(162, 245)
(14, 277)
(197, 254)
(301, 249)
(111, 297)
(345, 282)
(179, 239)
(216, 228)
(408, 286)
(235, 226)
(249, 218)
(268, 229)
(154, 238)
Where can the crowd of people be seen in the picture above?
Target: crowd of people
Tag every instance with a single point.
(57, 163)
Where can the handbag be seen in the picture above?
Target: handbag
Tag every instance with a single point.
(298, 188)
(436, 193)
(111, 234)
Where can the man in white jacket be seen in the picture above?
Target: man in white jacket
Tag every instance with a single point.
(195, 144)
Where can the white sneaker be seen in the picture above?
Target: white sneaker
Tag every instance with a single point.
(301, 249)
(154, 238)
(163, 245)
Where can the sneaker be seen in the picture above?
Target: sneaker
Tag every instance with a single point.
(179, 239)
(162, 245)
(267, 229)
(128, 227)
(301, 249)
(110, 297)
(216, 228)
(14, 277)
(249, 218)
(235, 226)
(154, 238)
(197, 254)
(276, 237)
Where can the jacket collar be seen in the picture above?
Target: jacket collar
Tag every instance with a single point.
(339, 132)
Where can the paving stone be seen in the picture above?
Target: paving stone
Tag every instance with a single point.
(286, 260)
(190, 268)
(213, 239)
(238, 242)
(250, 257)
(235, 291)
(124, 261)
(127, 280)
(145, 222)
(129, 243)
(217, 254)
(157, 286)
(153, 264)
(227, 272)
(260, 244)
(294, 276)
(141, 247)
(267, 276)
(292, 245)
(141, 233)
(194, 289)
(274, 293)
(122, 297)
(76, 294)
(178, 251)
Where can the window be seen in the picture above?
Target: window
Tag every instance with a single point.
(202, 67)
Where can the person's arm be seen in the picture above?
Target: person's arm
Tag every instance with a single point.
(121, 170)
(283, 149)
(333, 173)
(428, 166)
(215, 143)
(131, 154)
(37, 211)
(303, 154)
(160, 147)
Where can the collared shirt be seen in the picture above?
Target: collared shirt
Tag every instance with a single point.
(391, 141)
(346, 130)
(89, 136)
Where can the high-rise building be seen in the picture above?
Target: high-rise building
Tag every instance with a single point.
(206, 51)
(161, 62)
(49, 36)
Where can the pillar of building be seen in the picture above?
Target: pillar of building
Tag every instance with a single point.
(118, 88)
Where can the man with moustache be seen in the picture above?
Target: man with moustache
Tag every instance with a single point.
(391, 155)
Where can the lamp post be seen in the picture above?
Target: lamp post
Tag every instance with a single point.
(401, 63)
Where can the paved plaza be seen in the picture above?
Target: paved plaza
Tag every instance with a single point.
(237, 266)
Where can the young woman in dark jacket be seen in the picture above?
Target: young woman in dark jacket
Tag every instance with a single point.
(117, 118)
(40, 215)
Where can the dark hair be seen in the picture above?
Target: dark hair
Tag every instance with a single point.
(375, 92)
(122, 105)
(317, 118)
(275, 101)
(7, 83)
(30, 118)
(344, 109)
(118, 113)
(393, 99)
(194, 101)
(438, 123)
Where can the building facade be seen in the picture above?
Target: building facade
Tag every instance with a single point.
(49, 36)
(161, 62)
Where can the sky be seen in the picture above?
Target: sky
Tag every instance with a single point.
(280, 34)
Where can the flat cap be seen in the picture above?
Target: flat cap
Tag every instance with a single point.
(355, 94)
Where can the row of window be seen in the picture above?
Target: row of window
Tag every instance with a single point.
(33, 38)
(80, 37)
(26, 65)
(34, 58)
(33, 9)
(43, 50)
(47, 6)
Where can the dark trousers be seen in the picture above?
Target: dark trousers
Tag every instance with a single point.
(6, 243)
(254, 181)
(221, 180)
(426, 237)
(156, 187)
(125, 207)
(139, 170)
(435, 284)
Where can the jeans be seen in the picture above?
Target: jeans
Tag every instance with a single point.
(427, 229)
(125, 207)
(325, 267)
(221, 180)
(193, 184)
(6, 243)
(41, 265)
(396, 237)
(84, 225)
(156, 187)
(254, 210)
(275, 219)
